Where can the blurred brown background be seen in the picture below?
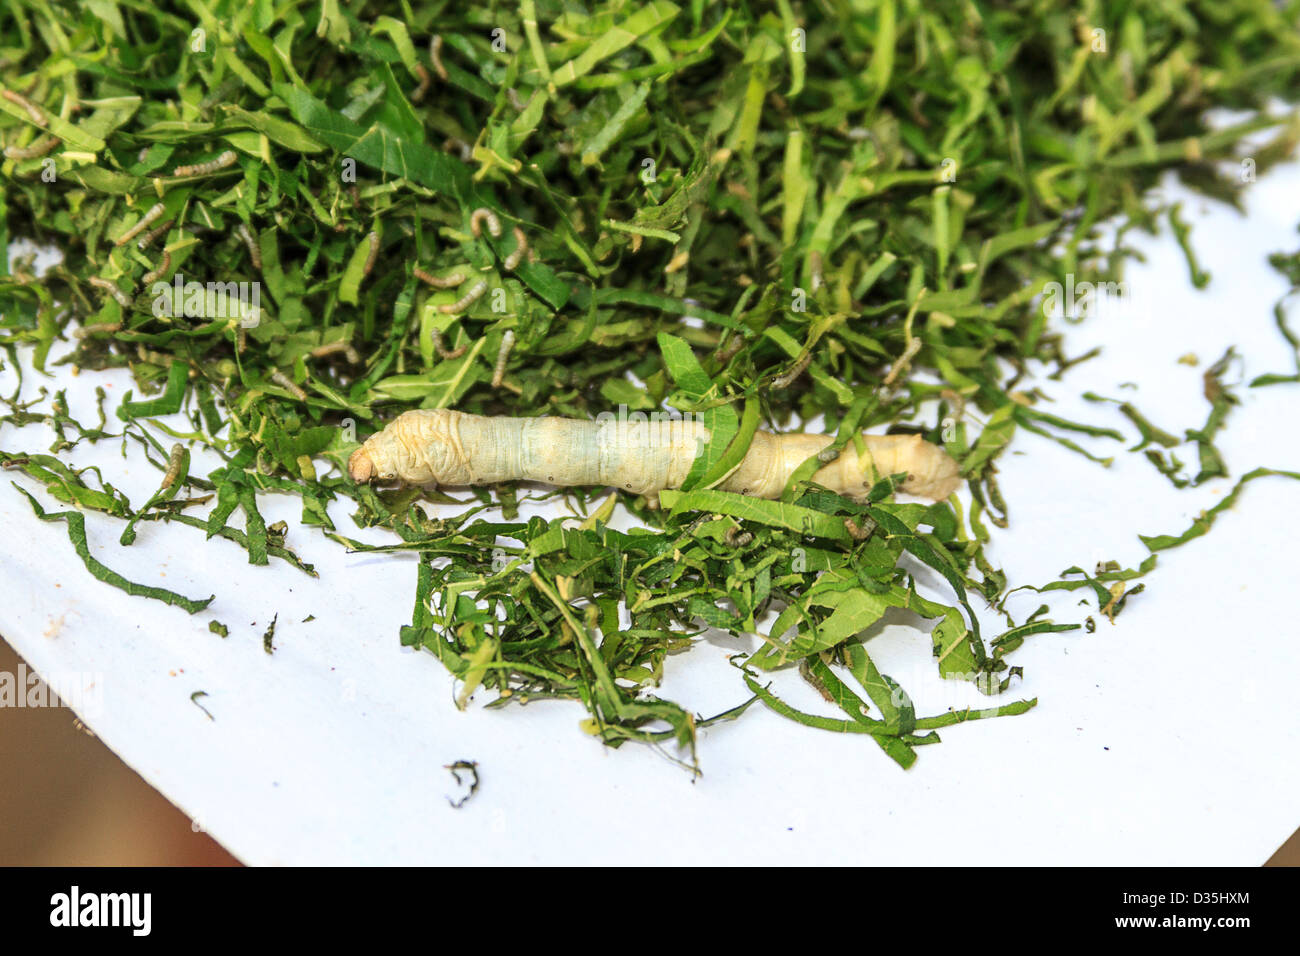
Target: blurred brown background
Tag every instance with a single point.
(67, 800)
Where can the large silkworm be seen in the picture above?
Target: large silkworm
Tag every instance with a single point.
(31, 108)
(435, 56)
(439, 282)
(521, 247)
(484, 214)
(154, 212)
(466, 300)
(111, 288)
(250, 243)
(288, 384)
(211, 166)
(503, 353)
(439, 446)
(157, 271)
(38, 148)
(148, 239)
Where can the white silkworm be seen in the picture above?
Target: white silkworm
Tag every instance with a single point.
(465, 301)
(111, 288)
(31, 108)
(157, 271)
(455, 142)
(439, 282)
(445, 447)
(147, 240)
(789, 378)
(154, 212)
(211, 166)
(503, 353)
(443, 351)
(372, 237)
(521, 247)
(38, 148)
(435, 56)
(481, 214)
(174, 465)
(288, 384)
(250, 243)
(334, 348)
(425, 80)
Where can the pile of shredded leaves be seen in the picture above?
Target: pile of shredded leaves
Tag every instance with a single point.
(764, 214)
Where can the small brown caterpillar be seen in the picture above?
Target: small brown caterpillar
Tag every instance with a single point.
(790, 377)
(111, 288)
(481, 214)
(859, 533)
(465, 301)
(288, 384)
(455, 142)
(735, 538)
(174, 465)
(425, 80)
(503, 353)
(372, 237)
(334, 348)
(909, 352)
(31, 108)
(148, 239)
(154, 212)
(443, 351)
(211, 166)
(439, 282)
(38, 148)
(435, 56)
(439, 446)
(250, 242)
(157, 271)
(512, 260)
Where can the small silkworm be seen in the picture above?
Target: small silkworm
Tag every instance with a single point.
(38, 148)
(425, 80)
(157, 271)
(512, 260)
(465, 301)
(481, 214)
(909, 352)
(435, 56)
(507, 343)
(334, 348)
(517, 103)
(736, 538)
(211, 166)
(174, 465)
(288, 384)
(440, 282)
(111, 288)
(455, 142)
(148, 239)
(443, 351)
(859, 533)
(250, 242)
(788, 379)
(241, 340)
(154, 212)
(372, 237)
(723, 355)
(32, 111)
(87, 330)
(815, 270)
